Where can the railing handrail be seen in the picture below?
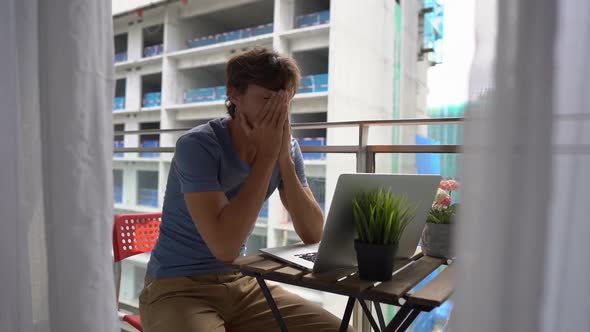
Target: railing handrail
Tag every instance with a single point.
(325, 125)
(365, 153)
(388, 148)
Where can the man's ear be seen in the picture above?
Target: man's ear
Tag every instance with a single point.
(234, 95)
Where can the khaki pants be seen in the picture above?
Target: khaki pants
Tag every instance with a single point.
(213, 301)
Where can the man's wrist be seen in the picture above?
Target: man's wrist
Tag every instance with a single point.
(265, 161)
(286, 163)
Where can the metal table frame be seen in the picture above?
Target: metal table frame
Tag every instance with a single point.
(400, 322)
(408, 312)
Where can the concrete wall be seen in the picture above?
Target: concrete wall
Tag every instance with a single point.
(361, 75)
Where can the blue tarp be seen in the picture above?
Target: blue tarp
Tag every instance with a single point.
(427, 163)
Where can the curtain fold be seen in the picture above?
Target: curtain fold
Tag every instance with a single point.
(56, 177)
(566, 296)
(15, 279)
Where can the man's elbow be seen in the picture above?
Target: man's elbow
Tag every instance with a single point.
(312, 238)
(227, 258)
(311, 234)
(311, 241)
(224, 255)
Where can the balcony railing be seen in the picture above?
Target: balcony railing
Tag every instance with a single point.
(365, 152)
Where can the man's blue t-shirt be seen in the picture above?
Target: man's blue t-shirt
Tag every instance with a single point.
(205, 160)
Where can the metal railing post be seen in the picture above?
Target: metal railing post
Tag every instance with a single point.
(362, 154)
(362, 162)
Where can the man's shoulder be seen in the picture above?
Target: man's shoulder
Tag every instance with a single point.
(207, 135)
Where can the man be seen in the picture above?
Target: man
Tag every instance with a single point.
(221, 174)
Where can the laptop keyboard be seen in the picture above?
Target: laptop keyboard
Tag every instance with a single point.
(308, 257)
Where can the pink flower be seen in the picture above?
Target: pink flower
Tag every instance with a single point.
(440, 196)
(446, 202)
(452, 184)
(444, 185)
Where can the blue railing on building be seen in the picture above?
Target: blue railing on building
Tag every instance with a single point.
(153, 50)
(120, 57)
(147, 197)
(150, 144)
(118, 194)
(205, 94)
(313, 83)
(264, 210)
(310, 83)
(312, 19)
(152, 99)
(119, 104)
(230, 36)
(312, 141)
(118, 144)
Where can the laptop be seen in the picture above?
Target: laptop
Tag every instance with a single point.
(336, 249)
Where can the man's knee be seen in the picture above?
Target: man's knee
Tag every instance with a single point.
(183, 315)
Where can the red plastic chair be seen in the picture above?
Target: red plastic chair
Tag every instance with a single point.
(133, 234)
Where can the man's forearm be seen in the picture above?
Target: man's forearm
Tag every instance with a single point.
(307, 216)
(238, 217)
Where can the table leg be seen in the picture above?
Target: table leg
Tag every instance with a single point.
(369, 315)
(403, 319)
(398, 319)
(347, 314)
(272, 304)
(380, 315)
(408, 320)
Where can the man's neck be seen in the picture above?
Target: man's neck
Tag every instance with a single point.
(241, 143)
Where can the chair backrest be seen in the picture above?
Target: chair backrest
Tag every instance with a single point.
(135, 233)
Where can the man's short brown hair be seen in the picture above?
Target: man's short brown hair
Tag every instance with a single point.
(262, 67)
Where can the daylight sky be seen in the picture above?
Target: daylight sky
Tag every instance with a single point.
(449, 82)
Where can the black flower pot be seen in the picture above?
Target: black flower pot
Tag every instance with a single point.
(375, 261)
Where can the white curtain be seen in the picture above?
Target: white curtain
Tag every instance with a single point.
(566, 299)
(56, 92)
(524, 234)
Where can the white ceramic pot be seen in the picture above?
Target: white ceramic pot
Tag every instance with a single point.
(437, 240)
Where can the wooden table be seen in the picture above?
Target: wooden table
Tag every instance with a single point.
(408, 273)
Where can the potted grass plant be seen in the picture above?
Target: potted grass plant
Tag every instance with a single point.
(436, 235)
(380, 219)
